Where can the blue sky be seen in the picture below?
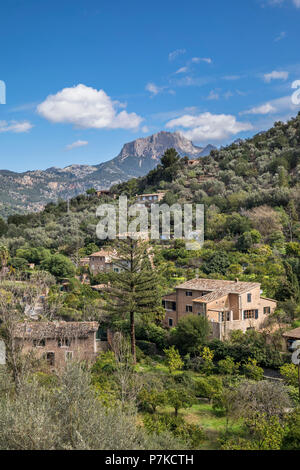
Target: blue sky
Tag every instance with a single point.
(85, 76)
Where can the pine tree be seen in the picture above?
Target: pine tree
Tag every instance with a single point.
(133, 291)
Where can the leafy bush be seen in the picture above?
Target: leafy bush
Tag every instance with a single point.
(190, 433)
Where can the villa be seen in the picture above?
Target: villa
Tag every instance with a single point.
(228, 305)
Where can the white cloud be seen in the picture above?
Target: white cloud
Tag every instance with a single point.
(281, 36)
(182, 70)
(173, 55)
(86, 107)
(279, 105)
(78, 143)
(276, 75)
(153, 89)
(263, 109)
(209, 127)
(17, 127)
(296, 3)
(196, 60)
(213, 95)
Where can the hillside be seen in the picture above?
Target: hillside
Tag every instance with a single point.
(250, 190)
(30, 191)
(264, 169)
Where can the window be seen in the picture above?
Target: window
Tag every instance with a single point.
(101, 334)
(50, 357)
(248, 314)
(267, 310)
(63, 342)
(68, 356)
(170, 321)
(189, 293)
(188, 308)
(249, 296)
(174, 306)
(164, 304)
(39, 343)
(224, 316)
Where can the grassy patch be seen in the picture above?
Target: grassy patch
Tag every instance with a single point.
(212, 422)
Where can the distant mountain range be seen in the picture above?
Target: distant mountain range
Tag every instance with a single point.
(30, 191)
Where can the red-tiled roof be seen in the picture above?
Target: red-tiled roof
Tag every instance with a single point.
(292, 333)
(102, 253)
(231, 287)
(216, 294)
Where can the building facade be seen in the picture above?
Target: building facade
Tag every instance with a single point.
(228, 305)
(149, 198)
(59, 342)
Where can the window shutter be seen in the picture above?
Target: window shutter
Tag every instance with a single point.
(256, 314)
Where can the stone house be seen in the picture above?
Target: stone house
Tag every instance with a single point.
(290, 337)
(191, 163)
(149, 198)
(101, 261)
(59, 342)
(228, 305)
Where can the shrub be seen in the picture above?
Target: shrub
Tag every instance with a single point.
(192, 434)
(228, 366)
(252, 370)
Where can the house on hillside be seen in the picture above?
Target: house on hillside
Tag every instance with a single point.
(58, 342)
(228, 305)
(104, 192)
(149, 198)
(191, 163)
(103, 261)
(290, 337)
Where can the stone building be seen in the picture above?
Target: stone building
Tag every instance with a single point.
(101, 261)
(149, 198)
(228, 305)
(58, 342)
(291, 336)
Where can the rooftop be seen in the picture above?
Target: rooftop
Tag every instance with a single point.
(102, 253)
(210, 285)
(161, 193)
(216, 294)
(55, 329)
(292, 333)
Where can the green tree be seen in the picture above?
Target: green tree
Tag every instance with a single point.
(133, 292)
(3, 227)
(227, 366)
(252, 370)
(207, 356)
(291, 440)
(191, 332)
(179, 397)
(4, 255)
(174, 360)
(290, 374)
(170, 158)
(59, 265)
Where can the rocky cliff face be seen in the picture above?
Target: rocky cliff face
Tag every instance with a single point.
(30, 191)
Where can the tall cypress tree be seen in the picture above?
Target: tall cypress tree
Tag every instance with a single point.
(133, 291)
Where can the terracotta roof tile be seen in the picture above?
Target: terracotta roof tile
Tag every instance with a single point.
(58, 329)
(292, 333)
(216, 294)
(231, 287)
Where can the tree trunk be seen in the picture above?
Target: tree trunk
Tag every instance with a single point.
(132, 337)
